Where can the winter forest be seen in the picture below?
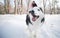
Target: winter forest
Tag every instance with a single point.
(21, 6)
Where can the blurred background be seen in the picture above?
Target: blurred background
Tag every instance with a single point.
(21, 6)
(14, 26)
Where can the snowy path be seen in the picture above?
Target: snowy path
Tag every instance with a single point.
(14, 26)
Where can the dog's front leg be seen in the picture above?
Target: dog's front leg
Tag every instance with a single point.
(30, 32)
(35, 34)
(30, 35)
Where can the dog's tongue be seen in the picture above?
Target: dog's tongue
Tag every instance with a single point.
(34, 18)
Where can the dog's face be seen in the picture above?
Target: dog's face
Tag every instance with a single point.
(35, 13)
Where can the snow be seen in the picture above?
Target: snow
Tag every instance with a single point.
(14, 26)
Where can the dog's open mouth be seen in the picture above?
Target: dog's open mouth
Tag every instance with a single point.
(35, 18)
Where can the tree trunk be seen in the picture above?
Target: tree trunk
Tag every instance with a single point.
(28, 1)
(53, 1)
(15, 9)
(8, 6)
(5, 1)
(44, 6)
(50, 7)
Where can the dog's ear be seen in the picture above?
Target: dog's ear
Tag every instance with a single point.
(41, 9)
(28, 20)
(42, 20)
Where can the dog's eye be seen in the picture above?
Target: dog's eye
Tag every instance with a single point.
(38, 9)
(31, 11)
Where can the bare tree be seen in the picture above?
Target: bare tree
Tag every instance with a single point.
(50, 6)
(15, 8)
(18, 6)
(21, 6)
(44, 4)
(56, 1)
(2, 8)
(28, 2)
(7, 6)
(53, 5)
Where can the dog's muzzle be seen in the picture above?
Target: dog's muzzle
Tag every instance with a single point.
(34, 18)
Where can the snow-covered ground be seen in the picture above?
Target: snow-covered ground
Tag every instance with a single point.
(14, 26)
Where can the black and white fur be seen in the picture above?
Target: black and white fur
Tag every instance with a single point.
(33, 25)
